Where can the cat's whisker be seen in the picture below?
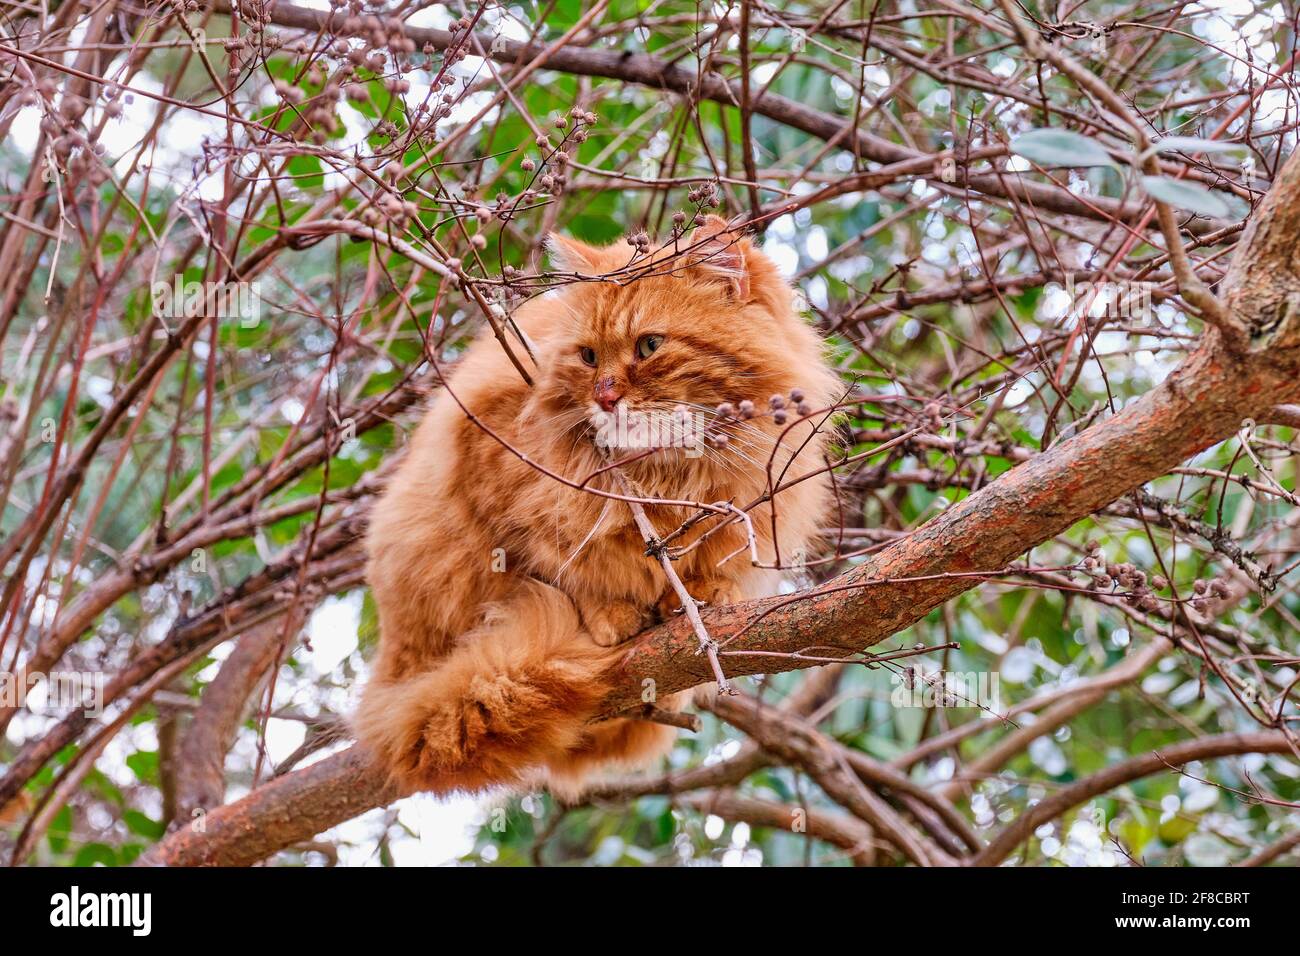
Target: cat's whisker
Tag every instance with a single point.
(579, 416)
(590, 534)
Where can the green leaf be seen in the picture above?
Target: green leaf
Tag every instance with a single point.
(59, 829)
(1190, 196)
(144, 764)
(1060, 147)
(141, 825)
(1193, 144)
(368, 629)
(307, 171)
(93, 853)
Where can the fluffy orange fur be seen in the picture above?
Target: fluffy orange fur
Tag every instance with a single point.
(502, 593)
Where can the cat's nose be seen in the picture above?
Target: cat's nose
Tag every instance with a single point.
(607, 393)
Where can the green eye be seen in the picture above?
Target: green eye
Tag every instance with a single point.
(647, 344)
(588, 356)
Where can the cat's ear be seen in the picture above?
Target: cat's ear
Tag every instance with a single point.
(573, 255)
(716, 251)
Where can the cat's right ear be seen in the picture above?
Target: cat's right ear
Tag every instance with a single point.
(573, 255)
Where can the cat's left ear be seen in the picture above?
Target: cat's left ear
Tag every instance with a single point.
(716, 251)
(573, 255)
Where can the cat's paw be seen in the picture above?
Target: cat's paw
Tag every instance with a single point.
(708, 592)
(612, 622)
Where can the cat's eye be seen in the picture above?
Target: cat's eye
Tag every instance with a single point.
(588, 356)
(647, 344)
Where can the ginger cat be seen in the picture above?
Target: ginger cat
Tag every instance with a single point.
(502, 593)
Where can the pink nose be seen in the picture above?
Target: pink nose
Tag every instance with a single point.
(607, 394)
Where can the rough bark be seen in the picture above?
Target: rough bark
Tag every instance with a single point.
(200, 769)
(285, 811)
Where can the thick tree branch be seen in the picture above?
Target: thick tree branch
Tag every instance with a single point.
(200, 770)
(288, 810)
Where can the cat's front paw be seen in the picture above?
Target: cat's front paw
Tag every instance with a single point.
(708, 592)
(612, 622)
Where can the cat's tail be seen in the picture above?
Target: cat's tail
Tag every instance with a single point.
(513, 696)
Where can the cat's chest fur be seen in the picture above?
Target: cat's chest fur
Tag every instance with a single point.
(590, 545)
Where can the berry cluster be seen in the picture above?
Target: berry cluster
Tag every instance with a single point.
(1141, 591)
(779, 408)
(705, 195)
(555, 158)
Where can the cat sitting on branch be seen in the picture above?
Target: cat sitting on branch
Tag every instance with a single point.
(505, 561)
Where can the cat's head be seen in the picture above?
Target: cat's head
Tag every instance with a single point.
(673, 333)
